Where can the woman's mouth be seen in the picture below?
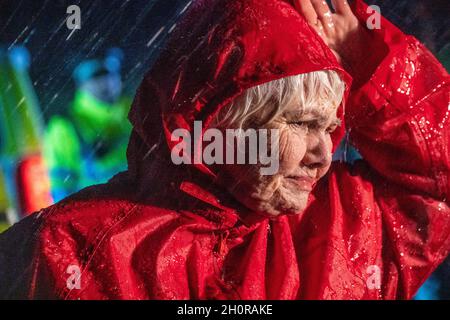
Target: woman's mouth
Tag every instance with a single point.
(305, 183)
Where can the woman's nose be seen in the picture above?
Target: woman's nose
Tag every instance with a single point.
(318, 151)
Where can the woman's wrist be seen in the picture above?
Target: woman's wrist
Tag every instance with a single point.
(363, 55)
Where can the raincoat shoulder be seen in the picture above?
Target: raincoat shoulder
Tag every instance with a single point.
(42, 255)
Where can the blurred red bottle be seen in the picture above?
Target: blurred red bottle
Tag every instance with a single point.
(22, 128)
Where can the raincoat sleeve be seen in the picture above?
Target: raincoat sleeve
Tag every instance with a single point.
(398, 119)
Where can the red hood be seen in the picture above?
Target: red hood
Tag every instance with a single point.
(219, 49)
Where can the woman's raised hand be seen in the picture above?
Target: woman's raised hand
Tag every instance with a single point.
(340, 29)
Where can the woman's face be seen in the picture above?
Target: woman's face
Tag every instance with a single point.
(304, 157)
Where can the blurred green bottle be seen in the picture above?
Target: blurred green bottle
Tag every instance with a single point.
(21, 129)
(5, 204)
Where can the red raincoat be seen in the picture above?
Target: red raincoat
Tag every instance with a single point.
(372, 230)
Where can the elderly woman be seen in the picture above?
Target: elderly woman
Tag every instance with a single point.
(312, 229)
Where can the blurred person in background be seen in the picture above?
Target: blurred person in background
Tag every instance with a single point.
(89, 146)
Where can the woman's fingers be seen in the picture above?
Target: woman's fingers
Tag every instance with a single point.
(341, 7)
(324, 13)
(335, 28)
(321, 8)
(306, 8)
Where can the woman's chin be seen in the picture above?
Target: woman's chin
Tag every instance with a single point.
(286, 200)
(289, 208)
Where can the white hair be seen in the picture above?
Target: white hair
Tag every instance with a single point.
(265, 102)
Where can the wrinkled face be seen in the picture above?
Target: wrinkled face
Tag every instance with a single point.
(304, 157)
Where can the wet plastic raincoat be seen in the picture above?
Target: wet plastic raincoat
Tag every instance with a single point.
(374, 229)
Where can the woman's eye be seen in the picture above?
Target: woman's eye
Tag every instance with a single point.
(312, 125)
(298, 124)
